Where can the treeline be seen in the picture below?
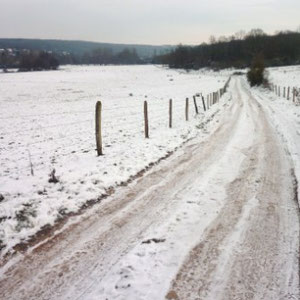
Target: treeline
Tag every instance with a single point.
(28, 60)
(237, 51)
(104, 56)
(79, 48)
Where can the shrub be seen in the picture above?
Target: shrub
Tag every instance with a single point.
(256, 74)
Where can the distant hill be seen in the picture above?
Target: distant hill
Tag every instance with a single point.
(80, 47)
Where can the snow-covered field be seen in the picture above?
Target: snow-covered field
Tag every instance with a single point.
(285, 76)
(190, 228)
(47, 123)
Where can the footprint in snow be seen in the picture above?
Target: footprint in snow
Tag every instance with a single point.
(126, 277)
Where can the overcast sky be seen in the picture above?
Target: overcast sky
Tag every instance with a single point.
(143, 21)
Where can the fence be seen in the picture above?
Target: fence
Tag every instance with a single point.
(33, 142)
(289, 93)
(211, 99)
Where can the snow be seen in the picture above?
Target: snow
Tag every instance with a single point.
(284, 114)
(285, 76)
(47, 122)
(139, 275)
(176, 210)
(225, 262)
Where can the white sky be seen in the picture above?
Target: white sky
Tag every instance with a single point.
(143, 21)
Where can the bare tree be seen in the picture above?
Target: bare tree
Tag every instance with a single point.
(222, 39)
(240, 35)
(256, 32)
(212, 39)
(231, 38)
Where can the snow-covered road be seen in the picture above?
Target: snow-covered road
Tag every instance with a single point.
(219, 219)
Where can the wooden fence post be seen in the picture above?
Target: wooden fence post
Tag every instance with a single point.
(203, 103)
(294, 94)
(146, 120)
(284, 92)
(187, 109)
(288, 93)
(170, 113)
(279, 91)
(207, 103)
(195, 103)
(98, 128)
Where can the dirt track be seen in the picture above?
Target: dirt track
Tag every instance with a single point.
(250, 250)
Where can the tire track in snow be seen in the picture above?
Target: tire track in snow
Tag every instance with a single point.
(262, 263)
(84, 253)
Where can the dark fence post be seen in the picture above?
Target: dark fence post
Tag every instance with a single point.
(195, 103)
(203, 103)
(98, 128)
(146, 120)
(170, 113)
(187, 109)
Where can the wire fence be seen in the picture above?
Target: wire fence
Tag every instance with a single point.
(49, 138)
(291, 93)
